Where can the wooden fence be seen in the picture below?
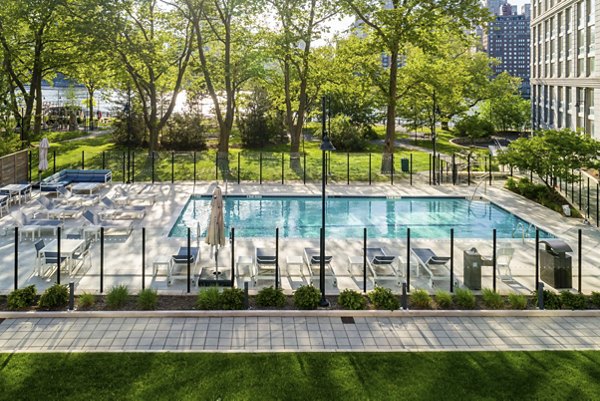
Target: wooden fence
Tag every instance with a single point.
(14, 168)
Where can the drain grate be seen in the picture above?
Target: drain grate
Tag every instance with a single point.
(347, 320)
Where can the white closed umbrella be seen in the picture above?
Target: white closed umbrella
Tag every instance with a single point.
(215, 233)
(44, 146)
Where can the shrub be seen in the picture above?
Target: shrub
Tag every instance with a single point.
(117, 296)
(56, 296)
(232, 299)
(86, 300)
(420, 299)
(443, 299)
(209, 298)
(307, 297)
(595, 299)
(22, 298)
(551, 300)
(347, 136)
(350, 299)
(270, 296)
(474, 127)
(382, 298)
(517, 301)
(259, 126)
(571, 300)
(184, 132)
(491, 299)
(464, 298)
(147, 299)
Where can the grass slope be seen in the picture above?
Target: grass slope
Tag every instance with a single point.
(302, 376)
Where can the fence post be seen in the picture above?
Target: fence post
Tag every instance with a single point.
(282, 169)
(83, 159)
(233, 256)
(392, 171)
(238, 172)
(537, 257)
(579, 254)
(540, 291)
(588, 198)
(143, 258)
(411, 168)
(365, 260)
(454, 171)
(58, 230)
(430, 169)
(152, 165)
(189, 267)
(490, 170)
(101, 260)
(71, 295)
(347, 168)
(103, 160)
(276, 258)
(494, 259)
(408, 259)
(304, 168)
(16, 258)
(597, 207)
(452, 260)
(172, 167)
(579, 203)
(29, 165)
(404, 296)
(369, 169)
(195, 167)
(54, 161)
(439, 181)
(133, 166)
(469, 169)
(260, 169)
(123, 168)
(217, 166)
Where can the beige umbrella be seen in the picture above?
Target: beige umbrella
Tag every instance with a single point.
(215, 233)
(43, 162)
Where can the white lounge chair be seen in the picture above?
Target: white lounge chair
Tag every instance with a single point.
(178, 264)
(264, 264)
(54, 212)
(435, 267)
(312, 257)
(126, 198)
(111, 227)
(34, 226)
(116, 212)
(66, 196)
(383, 267)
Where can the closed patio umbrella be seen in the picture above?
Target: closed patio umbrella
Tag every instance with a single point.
(215, 234)
(43, 164)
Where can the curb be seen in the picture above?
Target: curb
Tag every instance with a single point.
(301, 313)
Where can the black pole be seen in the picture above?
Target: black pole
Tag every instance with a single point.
(579, 203)
(54, 161)
(189, 267)
(172, 167)
(579, 253)
(324, 302)
(537, 257)
(58, 255)
(195, 169)
(282, 169)
(392, 170)
(238, 172)
(369, 169)
(133, 166)
(128, 164)
(588, 198)
(494, 262)
(101, 260)
(277, 258)
(439, 180)
(304, 174)
(103, 160)
(123, 168)
(217, 166)
(260, 169)
(233, 256)
(152, 163)
(16, 258)
(490, 170)
(365, 260)
(454, 169)
(430, 169)
(452, 260)
(83, 159)
(469, 169)
(411, 168)
(347, 168)
(29, 166)
(597, 206)
(408, 259)
(143, 258)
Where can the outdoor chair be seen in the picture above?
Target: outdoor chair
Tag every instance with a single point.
(39, 245)
(123, 197)
(435, 267)
(117, 212)
(177, 268)
(49, 262)
(53, 212)
(264, 263)
(383, 267)
(504, 256)
(4, 204)
(66, 196)
(312, 257)
(111, 227)
(34, 226)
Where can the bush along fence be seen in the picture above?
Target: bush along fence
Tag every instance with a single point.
(549, 262)
(269, 167)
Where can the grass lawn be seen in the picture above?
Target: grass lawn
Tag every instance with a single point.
(302, 376)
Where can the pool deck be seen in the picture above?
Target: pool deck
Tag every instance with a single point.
(123, 256)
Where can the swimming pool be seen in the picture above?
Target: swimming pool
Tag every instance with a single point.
(300, 217)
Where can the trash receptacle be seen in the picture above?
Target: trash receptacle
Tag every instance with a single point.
(472, 262)
(556, 264)
(404, 165)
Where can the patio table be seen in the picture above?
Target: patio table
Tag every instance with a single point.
(16, 191)
(89, 187)
(68, 247)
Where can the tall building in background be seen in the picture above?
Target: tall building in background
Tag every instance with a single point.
(563, 68)
(507, 39)
(493, 6)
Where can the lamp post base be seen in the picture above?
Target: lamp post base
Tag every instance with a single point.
(324, 303)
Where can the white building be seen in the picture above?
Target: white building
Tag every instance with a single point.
(565, 81)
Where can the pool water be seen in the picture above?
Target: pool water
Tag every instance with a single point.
(300, 217)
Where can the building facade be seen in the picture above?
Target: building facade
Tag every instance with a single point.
(564, 75)
(508, 40)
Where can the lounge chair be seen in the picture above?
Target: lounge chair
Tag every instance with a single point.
(53, 212)
(312, 257)
(264, 263)
(503, 258)
(115, 211)
(178, 264)
(4, 204)
(66, 196)
(111, 227)
(125, 198)
(34, 226)
(434, 266)
(383, 267)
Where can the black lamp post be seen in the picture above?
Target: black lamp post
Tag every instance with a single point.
(326, 145)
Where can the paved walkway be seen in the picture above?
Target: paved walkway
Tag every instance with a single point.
(292, 334)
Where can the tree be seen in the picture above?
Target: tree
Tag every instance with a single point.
(399, 23)
(505, 107)
(552, 154)
(474, 127)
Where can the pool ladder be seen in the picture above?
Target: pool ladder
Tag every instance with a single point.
(524, 232)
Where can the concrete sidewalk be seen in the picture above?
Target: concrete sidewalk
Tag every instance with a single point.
(298, 334)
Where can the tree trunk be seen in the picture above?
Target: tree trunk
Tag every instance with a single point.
(91, 107)
(445, 125)
(390, 128)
